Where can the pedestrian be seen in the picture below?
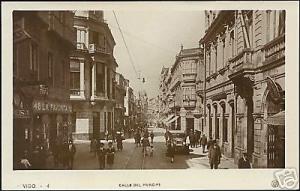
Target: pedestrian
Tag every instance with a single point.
(101, 152)
(24, 161)
(187, 141)
(71, 154)
(110, 155)
(166, 137)
(106, 135)
(192, 139)
(214, 155)
(244, 162)
(95, 146)
(209, 143)
(119, 141)
(203, 142)
(43, 156)
(139, 139)
(65, 155)
(171, 151)
(152, 136)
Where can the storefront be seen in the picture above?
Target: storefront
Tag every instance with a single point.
(51, 122)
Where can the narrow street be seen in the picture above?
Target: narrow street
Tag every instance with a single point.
(131, 157)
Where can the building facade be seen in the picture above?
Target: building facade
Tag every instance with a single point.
(92, 74)
(182, 99)
(42, 41)
(120, 108)
(244, 83)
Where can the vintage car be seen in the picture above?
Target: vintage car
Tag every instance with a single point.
(178, 138)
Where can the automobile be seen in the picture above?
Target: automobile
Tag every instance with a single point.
(178, 138)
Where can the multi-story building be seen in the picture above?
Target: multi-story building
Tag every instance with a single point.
(153, 111)
(129, 104)
(142, 108)
(92, 70)
(119, 108)
(182, 90)
(244, 83)
(42, 41)
(162, 97)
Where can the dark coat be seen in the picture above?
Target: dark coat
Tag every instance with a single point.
(110, 155)
(171, 150)
(101, 154)
(71, 150)
(244, 163)
(214, 155)
(203, 140)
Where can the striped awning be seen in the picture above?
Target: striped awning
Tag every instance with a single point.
(277, 119)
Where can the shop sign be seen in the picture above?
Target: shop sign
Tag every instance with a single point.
(42, 106)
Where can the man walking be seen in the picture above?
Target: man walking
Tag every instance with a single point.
(214, 155)
(110, 155)
(101, 152)
(71, 154)
(203, 142)
(152, 136)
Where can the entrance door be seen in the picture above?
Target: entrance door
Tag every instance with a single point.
(96, 125)
(276, 149)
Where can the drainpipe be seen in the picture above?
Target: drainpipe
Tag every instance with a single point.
(204, 89)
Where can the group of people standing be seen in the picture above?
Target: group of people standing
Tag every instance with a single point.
(105, 156)
(141, 138)
(63, 156)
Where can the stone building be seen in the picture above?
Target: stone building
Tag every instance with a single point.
(119, 108)
(92, 74)
(182, 90)
(244, 83)
(162, 97)
(129, 104)
(42, 41)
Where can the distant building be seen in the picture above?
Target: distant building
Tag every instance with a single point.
(92, 74)
(181, 95)
(42, 41)
(244, 84)
(119, 112)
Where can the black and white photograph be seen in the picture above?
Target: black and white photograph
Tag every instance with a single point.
(112, 88)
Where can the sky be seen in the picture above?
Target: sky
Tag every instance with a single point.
(153, 39)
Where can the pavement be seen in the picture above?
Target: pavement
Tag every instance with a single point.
(131, 157)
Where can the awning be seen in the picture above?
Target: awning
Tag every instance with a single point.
(173, 119)
(168, 118)
(277, 119)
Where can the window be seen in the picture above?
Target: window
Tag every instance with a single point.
(225, 130)
(108, 83)
(232, 43)
(81, 35)
(268, 26)
(75, 77)
(100, 78)
(189, 67)
(216, 57)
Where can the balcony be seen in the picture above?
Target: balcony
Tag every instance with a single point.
(81, 46)
(94, 48)
(274, 51)
(189, 77)
(242, 65)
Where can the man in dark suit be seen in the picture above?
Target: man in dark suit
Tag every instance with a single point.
(244, 162)
(101, 152)
(214, 155)
(71, 154)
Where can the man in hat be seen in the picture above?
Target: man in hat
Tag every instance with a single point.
(244, 162)
(101, 152)
(71, 154)
(214, 155)
(110, 154)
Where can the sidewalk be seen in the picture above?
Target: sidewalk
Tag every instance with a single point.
(226, 163)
